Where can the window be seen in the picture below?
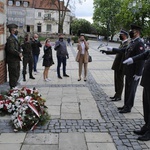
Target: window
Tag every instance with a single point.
(39, 27)
(39, 14)
(10, 3)
(47, 16)
(28, 28)
(17, 3)
(25, 4)
(49, 27)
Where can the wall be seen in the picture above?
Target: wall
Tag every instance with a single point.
(3, 74)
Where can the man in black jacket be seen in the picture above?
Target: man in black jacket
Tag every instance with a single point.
(62, 55)
(145, 82)
(132, 72)
(35, 51)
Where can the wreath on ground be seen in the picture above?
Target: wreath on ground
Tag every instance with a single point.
(26, 107)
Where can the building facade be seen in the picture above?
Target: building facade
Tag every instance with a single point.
(36, 16)
(3, 74)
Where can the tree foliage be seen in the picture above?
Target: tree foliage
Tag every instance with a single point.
(105, 14)
(80, 24)
(63, 6)
(117, 14)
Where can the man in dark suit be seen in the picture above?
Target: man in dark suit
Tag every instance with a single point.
(118, 66)
(132, 72)
(145, 82)
(36, 44)
(13, 55)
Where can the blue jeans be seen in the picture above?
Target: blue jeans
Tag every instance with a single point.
(35, 59)
(60, 60)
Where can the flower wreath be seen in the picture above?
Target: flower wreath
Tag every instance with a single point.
(26, 106)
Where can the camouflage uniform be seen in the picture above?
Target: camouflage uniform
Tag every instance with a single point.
(27, 59)
(13, 60)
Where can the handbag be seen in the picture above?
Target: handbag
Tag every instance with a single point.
(90, 58)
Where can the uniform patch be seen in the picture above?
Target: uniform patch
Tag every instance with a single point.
(141, 48)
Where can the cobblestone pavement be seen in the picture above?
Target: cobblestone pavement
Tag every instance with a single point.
(82, 115)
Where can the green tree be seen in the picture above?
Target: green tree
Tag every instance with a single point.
(136, 12)
(63, 6)
(105, 15)
(80, 24)
(117, 14)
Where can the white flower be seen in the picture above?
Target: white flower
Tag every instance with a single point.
(13, 117)
(1, 106)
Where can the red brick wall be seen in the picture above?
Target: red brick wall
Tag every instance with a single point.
(3, 72)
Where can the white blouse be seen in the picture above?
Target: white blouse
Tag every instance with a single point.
(83, 47)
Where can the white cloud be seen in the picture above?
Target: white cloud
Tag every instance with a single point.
(85, 11)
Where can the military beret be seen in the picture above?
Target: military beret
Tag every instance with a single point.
(12, 26)
(123, 32)
(136, 27)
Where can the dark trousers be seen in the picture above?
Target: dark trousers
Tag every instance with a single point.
(60, 60)
(28, 61)
(14, 73)
(119, 82)
(130, 90)
(146, 106)
(35, 60)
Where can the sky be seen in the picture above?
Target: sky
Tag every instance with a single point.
(85, 10)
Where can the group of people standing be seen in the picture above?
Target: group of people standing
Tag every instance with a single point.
(136, 62)
(129, 63)
(28, 52)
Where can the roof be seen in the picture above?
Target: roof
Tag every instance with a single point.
(46, 4)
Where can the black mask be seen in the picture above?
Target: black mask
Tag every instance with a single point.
(16, 32)
(61, 39)
(121, 38)
(131, 34)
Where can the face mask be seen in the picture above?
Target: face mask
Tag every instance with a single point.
(16, 32)
(131, 34)
(61, 39)
(121, 38)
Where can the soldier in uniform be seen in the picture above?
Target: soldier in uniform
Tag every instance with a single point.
(118, 66)
(132, 72)
(27, 57)
(145, 82)
(13, 55)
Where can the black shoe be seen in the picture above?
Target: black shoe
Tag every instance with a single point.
(120, 108)
(66, 75)
(125, 110)
(32, 77)
(140, 132)
(116, 99)
(145, 137)
(112, 97)
(24, 79)
(79, 79)
(60, 77)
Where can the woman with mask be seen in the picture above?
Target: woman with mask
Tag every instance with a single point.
(82, 56)
(47, 59)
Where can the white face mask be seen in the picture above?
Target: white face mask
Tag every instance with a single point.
(36, 38)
